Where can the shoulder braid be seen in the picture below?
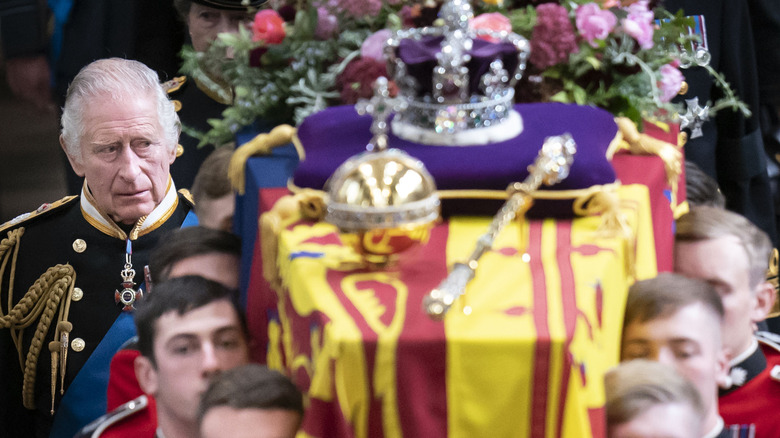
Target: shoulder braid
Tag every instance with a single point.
(40, 303)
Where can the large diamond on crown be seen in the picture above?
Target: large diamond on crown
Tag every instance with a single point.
(459, 83)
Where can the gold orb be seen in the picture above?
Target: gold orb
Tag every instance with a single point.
(383, 204)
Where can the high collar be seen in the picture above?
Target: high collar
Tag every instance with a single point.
(146, 224)
(719, 431)
(745, 367)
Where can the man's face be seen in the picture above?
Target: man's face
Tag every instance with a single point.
(189, 349)
(217, 213)
(124, 156)
(225, 421)
(215, 266)
(672, 420)
(205, 23)
(723, 263)
(689, 340)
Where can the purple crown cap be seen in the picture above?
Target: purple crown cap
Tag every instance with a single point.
(453, 79)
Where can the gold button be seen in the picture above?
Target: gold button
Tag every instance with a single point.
(179, 150)
(176, 105)
(78, 294)
(683, 88)
(79, 245)
(77, 344)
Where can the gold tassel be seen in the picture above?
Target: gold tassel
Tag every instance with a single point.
(262, 144)
(54, 348)
(772, 278)
(613, 223)
(638, 143)
(65, 327)
(308, 204)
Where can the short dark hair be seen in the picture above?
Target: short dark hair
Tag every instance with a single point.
(251, 386)
(188, 242)
(180, 295)
(666, 294)
(700, 188)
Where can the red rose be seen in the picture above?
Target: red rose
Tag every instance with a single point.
(268, 27)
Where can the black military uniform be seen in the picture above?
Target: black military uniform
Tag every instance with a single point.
(730, 149)
(73, 233)
(195, 104)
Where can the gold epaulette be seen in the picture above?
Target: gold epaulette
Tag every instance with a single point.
(174, 84)
(187, 195)
(44, 208)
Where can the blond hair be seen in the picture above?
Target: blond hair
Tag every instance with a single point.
(637, 385)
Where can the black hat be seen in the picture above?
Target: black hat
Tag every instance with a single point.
(235, 5)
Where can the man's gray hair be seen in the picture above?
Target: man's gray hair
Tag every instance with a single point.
(118, 79)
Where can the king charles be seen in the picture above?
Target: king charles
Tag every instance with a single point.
(70, 272)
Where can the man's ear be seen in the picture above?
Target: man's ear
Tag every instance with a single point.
(74, 163)
(722, 377)
(146, 373)
(765, 299)
(172, 155)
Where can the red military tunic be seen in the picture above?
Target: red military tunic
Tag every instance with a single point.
(755, 401)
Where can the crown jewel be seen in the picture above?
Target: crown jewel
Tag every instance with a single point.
(456, 79)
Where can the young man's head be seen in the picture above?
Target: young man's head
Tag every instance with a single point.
(250, 401)
(212, 192)
(729, 252)
(189, 330)
(648, 399)
(677, 320)
(202, 251)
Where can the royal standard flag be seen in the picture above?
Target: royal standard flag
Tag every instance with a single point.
(522, 353)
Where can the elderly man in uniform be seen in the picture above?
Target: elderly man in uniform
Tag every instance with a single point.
(71, 271)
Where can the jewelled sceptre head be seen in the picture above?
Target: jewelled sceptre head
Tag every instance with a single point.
(550, 167)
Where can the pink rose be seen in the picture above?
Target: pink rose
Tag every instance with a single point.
(594, 23)
(373, 47)
(268, 27)
(639, 24)
(670, 83)
(492, 21)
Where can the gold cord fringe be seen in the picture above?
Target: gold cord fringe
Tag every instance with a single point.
(638, 143)
(262, 144)
(307, 204)
(42, 302)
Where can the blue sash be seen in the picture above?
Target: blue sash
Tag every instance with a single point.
(86, 397)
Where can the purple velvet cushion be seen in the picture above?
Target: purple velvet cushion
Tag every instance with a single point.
(331, 136)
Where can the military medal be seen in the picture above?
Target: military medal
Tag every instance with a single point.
(127, 296)
(694, 117)
(697, 53)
